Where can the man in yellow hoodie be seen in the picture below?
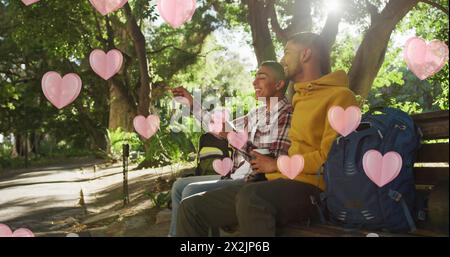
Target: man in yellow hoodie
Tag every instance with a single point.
(258, 208)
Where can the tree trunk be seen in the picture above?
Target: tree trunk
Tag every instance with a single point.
(331, 29)
(371, 52)
(99, 138)
(262, 41)
(139, 45)
(301, 19)
(121, 112)
(122, 107)
(17, 144)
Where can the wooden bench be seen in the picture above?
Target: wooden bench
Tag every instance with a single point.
(432, 181)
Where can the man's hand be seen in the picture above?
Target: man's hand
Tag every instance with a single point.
(220, 135)
(262, 163)
(182, 92)
(223, 134)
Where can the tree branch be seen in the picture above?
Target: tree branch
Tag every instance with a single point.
(276, 27)
(139, 45)
(436, 5)
(175, 48)
(99, 30)
(109, 32)
(373, 11)
(372, 50)
(160, 50)
(331, 29)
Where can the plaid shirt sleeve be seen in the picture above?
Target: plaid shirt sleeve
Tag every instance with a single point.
(281, 144)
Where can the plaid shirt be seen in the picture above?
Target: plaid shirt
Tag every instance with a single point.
(266, 129)
(269, 130)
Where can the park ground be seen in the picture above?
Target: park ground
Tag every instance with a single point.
(85, 196)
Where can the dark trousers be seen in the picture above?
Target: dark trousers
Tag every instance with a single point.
(258, 208)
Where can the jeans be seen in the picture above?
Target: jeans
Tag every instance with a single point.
(189, 186)
(258, 208)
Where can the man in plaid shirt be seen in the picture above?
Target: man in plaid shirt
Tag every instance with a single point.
(267, 128)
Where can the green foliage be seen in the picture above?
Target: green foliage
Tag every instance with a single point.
(39, 38)
(59, 36)
(172, 143)
(159, 199)
(343, 52)
(395, 85)
(218, 74)
(119, 137)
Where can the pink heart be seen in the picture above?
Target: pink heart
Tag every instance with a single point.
(215, 127)
(220, 115)
(181, 100)
(106, 65)
(344, 122)
(61, 91)
(382, 169)
(146, 127)
(238, 139)
(291, 167)
(218, 118)
(23, 232)
(5, 231)
(176, 12)
(108, 6)
(223, 167)
(28, 2)
(425, 59)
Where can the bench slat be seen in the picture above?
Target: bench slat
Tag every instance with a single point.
(434, 125)
(320, 230)
(430, 175)
(433, 153)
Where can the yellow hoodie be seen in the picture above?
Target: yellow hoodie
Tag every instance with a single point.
(311, 134)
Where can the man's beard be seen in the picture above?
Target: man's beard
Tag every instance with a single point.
(298, 70)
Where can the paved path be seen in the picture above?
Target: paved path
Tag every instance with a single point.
(40, 199)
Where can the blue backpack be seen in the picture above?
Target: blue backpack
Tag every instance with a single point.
(352, 200)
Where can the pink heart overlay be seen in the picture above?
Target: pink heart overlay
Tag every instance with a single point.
(291, 167)
(29, 2)
(106, 65)
(61, 91)
(176, 12)
(424, 59)
(218, 118)
(5, 231)
(220, 115)
(345, 121)
(146, 127)
(107, 6)
(238, 139)
(382, 169)
(215, 127)
(223, 167)
(181, 100)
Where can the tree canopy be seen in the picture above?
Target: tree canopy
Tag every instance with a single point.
(366, 39)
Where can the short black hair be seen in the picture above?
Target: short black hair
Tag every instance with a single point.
(316, 41)
(279, 72)
(276, 67)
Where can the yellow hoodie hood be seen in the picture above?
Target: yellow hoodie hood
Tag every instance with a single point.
(338, 79)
